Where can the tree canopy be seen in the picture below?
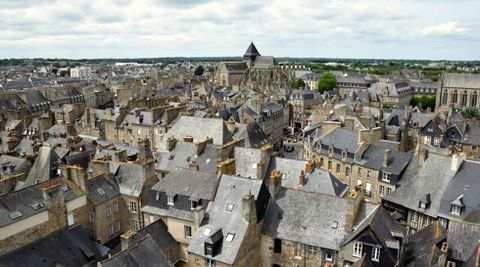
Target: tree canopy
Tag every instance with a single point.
(471, 112)
(427, 102)
(298, 83)
(326, 82)
(199, 70)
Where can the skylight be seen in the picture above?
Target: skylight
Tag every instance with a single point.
(230, 237)
(230, 207)
(100, 191)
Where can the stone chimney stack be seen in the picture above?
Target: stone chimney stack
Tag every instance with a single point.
(248, 207)
(301, 178)
(145, 150)
(355, 202)
(55, 203)
(275, 183)
(386, 157)
(171, 141)
(309, 166)
(231, 126)
(422, 156)
(120, 154)
(457, 160)
(127, 239)
(194, 166)
(188, 139)
(198, 215)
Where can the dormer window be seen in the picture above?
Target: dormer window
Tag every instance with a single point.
(170, 200)
(387, 177)
(455, 209)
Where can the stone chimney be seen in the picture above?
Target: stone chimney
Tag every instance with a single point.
(171, 141)
(198, 215)
(120, 154)
(301, 178)
(364, 136)
(145, 150)
(200, 146)
(194, 166)
(422, 156)
(309, 166)
(248, 207)
(457, 160)
(275, 183)
(55, 203)
(387, 154)
(349, 123)
(128, 239)
(231, 126)
(74, 173)
(188, 139)
(355, 201)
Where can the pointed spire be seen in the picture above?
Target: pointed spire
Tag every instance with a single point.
(251, 51)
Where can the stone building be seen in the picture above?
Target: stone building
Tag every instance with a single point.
(459, 90)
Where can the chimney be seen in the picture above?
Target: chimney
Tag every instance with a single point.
(386, 157)
(226, 167)
(457, 161)
(349, 124)
(171, 141)
(194, 166)
(248, 207)
(301, 180)
(74, 173)
(145, 151)
(275, 181)
(127, 239)
(422, 156)
(355, 201)
(120, 154)
(188, 139)
(231, 126)
(55, 203)
(200, 146)
(309, 166)
(198, 215)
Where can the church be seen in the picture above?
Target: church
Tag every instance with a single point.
(255, 71)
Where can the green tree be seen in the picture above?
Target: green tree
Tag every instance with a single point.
(326, 82)
(297, 84)
(471, 112)
(425, 101)
(199, 70)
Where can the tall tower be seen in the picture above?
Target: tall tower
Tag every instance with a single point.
(251, 54)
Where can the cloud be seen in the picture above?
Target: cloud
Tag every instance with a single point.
(447, 28)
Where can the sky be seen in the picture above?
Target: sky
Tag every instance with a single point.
(388, 29)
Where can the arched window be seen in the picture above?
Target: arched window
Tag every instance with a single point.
(445, 98)
(455, 97)
(464, 99)
(473, 100)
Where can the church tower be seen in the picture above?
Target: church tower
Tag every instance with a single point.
(251, 54)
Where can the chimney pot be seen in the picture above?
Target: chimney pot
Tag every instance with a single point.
(302, 178)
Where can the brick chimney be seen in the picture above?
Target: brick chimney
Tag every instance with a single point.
(74, 173)
(355, 201)
(188, 139)
(309, 166)
(226, 167)
(275, 183)
(387, 154)
(301, 178)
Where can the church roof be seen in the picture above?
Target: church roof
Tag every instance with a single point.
(251, 51)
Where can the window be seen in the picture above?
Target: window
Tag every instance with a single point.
(157, 195)
(115, 207)
(133, 206)
(359, 170)
(427, 221)
(329, 164)
(338, 168)
(455, 209)
(188, 231)
(321, 162)
(277, 246)
(389, 191)
(170, 200)
(193, 204)
(311, 250)
(329, 256)
(368, 188)
(359, 182)
(387, 177)
(382, 190)
(414, 217)
(135, 225)
(91, 217)
(230, 207)
(436, 141)
(110, 229)
(357, 249)
(375, 254)
(117, 225)
(443, 222)
(109, 211)
(428, 140)
(347, 171)
(369, 173)
(209, 263)
(298, 250)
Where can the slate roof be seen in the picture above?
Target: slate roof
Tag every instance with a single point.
(183, 154)
(68, 247)
(144, 253)
(199, 129)
(101, 189)
(462, 239)
(252, 135)
(158, 231)
(43, 169)
(247, 162)
(231, 190)
(418, 181)
(461, 80)
(421, 248)
(251, 51)
(186, 182)
(318, 181)
(130, 179)
(465, 183)
(300, 219)
(374, 159)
